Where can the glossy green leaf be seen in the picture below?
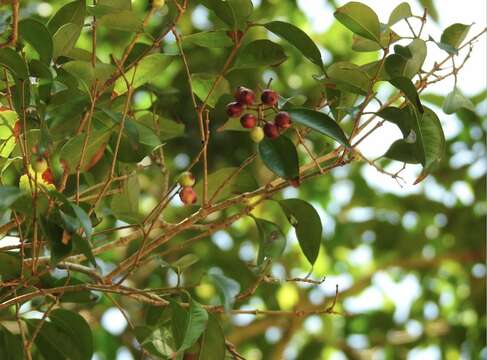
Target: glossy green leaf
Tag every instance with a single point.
(188, 325)
(73, 12)
(234, 13)
(430, 5)
(86, 74)
(124, 20)
(403, 151)
(280, 156)
(11, 347)
(398, 65)
(66, 335)
(203, 83)
(454, 35)
(432, 139)
(349, 77)
(8, 195)
(125, 205)
(10, 266)
(72, 150)
(455, 101)
(14, 63)
(37, 35)
(143, 72)
(184, 262)
(212, 346)
(272, 241)
(402, 117)
(259, 53)
(65, 38)
(320, 122)
(401, 11)
(209, 39)
(409, 90)
(307, 223)
(236, 181)
(362, 44)
(340, 101)
(117, 4)
(360, 19)
(227, 288)
(298, 38)
(157, 341)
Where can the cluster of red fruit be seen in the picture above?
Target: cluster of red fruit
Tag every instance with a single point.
(245, 99)
(187, 194)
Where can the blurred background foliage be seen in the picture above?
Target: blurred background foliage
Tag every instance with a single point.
(409, 261)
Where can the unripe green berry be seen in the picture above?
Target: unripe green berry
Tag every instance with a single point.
(39, 165)
(186, 179)
(257, 134)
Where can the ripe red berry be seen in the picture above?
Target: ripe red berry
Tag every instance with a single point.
(47, 176)
(271, 130)
(245, 96)
(282, 120)
(248, 121)
(234, 109)
(269, 97)
(187, 195)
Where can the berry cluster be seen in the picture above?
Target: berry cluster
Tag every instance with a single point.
(187, 194)
(257, 120)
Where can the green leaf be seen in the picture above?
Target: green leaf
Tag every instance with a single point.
(360, 19)
(236, 181)
(298, 38)
(73, 12)
(401, 11)
(280, 156)
(454, 35)
(259, 53)
(272, 240)
(84, 72)
(209, 39)
(234, 13)
(125, 206)
(157, 341)
(184, 262)
(340, 101)
(307, 223)
(188, 325)
(66, 335)
(124, 20)
(320, 122)
(143, 72)
(455, 101)
(349, 77)
(362, 44)
(227, 288)
(403, 151)
(402, 117)
(37, 35)
(11, 347)
(117, 4)
(14, 63)
(8, 195)
(212, 346)
(409, 90)
(398, 65)
(65, 38)
(10, 266)
(72, 150)
(203, 83)
(430, 5)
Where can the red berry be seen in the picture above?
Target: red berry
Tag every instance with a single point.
(282, 120)
(47, 176)
(234, 109)
(245, 96)
(269, 97)
(17, 129)
(187, 195)
(271, 130)
(248, 121)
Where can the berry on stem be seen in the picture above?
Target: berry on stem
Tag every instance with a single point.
(248, 121)
(271, 131)
(187, 195)
(269, 97)
(282, 120)
(39, 164)
(234, 109)
(257, 134)
(245, 96)
(186, 179)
